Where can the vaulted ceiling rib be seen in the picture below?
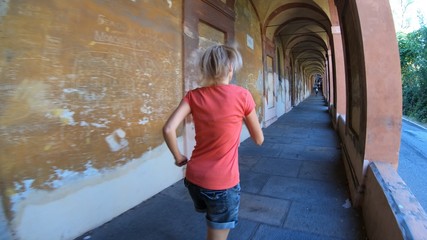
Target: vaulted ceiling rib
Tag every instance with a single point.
(302, 27)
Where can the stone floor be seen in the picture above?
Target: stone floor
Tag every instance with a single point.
(293, 187)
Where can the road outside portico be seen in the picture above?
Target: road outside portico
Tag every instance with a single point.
(413, 159)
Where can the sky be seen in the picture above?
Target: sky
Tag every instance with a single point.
(408, 21)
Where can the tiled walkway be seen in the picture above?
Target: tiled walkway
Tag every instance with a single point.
(293, 187)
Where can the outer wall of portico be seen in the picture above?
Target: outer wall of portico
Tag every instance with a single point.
(373, 113)
(370, 129)
(336, 68)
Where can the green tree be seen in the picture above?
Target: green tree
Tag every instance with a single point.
(413, 60)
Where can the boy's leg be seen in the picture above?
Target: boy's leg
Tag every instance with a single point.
(217, 234)
(222, 212)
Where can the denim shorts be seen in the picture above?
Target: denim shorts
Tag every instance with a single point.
(221, 206)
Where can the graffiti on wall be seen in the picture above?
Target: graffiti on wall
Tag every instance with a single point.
(83, 90)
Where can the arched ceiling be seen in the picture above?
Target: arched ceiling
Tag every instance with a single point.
(302, 27)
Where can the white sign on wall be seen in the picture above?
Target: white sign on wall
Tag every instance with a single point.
(249, 41)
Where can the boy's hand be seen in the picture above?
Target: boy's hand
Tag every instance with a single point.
(181, 161)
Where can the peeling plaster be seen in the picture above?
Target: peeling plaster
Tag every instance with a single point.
(116, 141)
(143, 121)
(65, 115)
(98, 125)
(82, 198)
(189, 33)
(71, 90)
(84, 124)
(23, 191)
(61, 178)
(4, 7)
(146, 109)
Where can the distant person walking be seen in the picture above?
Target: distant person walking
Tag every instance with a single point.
(219, 110)
(317, 90)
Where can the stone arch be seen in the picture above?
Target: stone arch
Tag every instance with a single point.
(373, 121)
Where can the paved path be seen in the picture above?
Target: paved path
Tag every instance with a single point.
(293, 187)
(413, 159)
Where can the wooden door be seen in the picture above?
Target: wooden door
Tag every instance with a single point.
(206, 22)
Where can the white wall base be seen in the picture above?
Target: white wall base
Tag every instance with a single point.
(89, 202)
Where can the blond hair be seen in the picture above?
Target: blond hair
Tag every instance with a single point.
(216, 62)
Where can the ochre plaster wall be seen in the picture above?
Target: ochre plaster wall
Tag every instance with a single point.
(247, 28)
(85, 89)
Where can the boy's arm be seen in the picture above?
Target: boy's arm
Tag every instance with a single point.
(169, 131)
(254, 128)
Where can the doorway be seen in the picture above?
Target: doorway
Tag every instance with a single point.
(206, 22)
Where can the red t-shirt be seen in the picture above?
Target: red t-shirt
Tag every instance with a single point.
(218, 113)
